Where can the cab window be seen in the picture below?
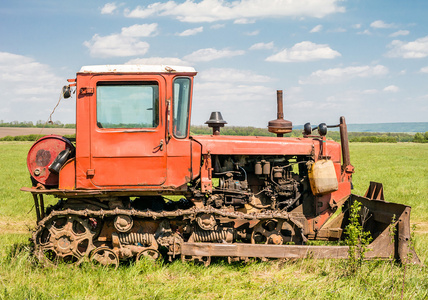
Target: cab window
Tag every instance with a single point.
(128, 105)
(181, 107)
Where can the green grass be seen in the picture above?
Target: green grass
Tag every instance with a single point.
(300, 279)
(403, 169)
(13, 176)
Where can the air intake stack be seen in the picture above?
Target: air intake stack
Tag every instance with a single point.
(280, 126)
(216, 122)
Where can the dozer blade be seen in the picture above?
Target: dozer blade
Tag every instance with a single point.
(380, 217)
(398, 216)
(388, 224)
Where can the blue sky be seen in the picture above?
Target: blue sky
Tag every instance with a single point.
(364, 59)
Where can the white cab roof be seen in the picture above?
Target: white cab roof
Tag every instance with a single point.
(136, 69)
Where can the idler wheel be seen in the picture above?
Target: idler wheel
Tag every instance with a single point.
(104, 256)
(275, 232)
(123, 223)
(206, 221)
(149, 253)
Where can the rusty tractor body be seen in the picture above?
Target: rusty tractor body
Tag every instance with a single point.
(234, 197)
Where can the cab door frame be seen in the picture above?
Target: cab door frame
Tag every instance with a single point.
(128, 157)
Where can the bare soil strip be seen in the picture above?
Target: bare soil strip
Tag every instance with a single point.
(15, 131)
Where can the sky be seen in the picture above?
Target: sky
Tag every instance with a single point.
(363, 59)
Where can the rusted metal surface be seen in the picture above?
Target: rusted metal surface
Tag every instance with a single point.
(263, 251)
(70, 235)
(280, 126)
(36, 206)
(107, 193)
(41, 156)
(105, 257)
(344, 142)
(380, 214)
(56, 234)
(375, 191)
(67, 238)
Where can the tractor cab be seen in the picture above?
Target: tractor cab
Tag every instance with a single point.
(133, 127)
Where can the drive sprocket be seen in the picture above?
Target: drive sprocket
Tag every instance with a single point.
(66, 238)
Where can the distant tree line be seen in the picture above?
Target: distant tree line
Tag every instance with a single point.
(368, 137)
(374, 137)
(231, 130)
(420, 137)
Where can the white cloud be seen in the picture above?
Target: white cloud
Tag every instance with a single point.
(381, 24)
(253, 33)
(108, 8)
(233, 92)
(391, 89)
(240, 104)
(424, 70)
(262, 46)
(317, 28)
(232, 76)
(158, 61)
(415, 49)
(27, 75)
(143, 30)
(342, 74)
(304, 51)
(215, 10)
(150, 10)
(370, 91)
(365, 32)
(209, 54)
(127, 43)
(244, 21)
(192, 31)
(356, 26)
(116, 45)
(218, 26)
(399, 32)
(29, 90)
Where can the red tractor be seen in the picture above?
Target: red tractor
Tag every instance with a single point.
(135, 183)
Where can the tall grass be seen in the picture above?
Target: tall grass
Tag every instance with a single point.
(401, 167)
(298, 279)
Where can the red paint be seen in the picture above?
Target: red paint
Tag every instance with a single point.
(41, 156)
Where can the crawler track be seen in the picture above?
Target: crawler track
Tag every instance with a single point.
(71, 235)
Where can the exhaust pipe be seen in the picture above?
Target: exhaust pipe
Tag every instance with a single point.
(345, 143)
(280, 126)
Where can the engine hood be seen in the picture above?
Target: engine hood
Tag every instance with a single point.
(256, 145)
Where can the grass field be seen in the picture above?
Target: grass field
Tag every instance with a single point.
(403, 168)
